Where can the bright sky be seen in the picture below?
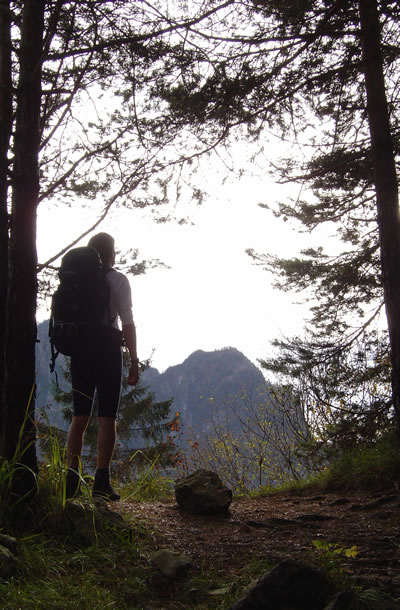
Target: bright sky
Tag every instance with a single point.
(213, 295)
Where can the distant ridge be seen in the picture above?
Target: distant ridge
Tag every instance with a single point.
(203, 381)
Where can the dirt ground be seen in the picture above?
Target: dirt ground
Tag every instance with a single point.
(286, 526)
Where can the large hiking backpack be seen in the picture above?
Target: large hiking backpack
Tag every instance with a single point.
(80, 301)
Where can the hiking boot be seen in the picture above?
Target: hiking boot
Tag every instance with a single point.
(102, 487)
(72, 484)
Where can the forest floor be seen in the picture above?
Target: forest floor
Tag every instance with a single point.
(359, 533)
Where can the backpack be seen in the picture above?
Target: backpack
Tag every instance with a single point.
(80, 301)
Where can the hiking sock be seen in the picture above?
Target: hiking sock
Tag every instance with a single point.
(102, 486)
(72, 484)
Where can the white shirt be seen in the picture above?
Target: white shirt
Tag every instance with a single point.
(120, 299)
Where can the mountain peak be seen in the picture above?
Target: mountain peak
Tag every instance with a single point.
(217, 374)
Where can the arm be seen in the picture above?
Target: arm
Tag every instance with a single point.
(129, 332)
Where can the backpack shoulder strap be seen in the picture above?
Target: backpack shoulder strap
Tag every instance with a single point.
(110, 319)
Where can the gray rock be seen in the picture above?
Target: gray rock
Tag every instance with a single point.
(291, 584)
(9, 542)
(82, 520)
(170, 563)
(202, 492)
(85, 520)
(341, 601)
(106, 515)
(8, 563)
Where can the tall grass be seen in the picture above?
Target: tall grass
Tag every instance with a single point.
(150, 482)
(18, 482)
(53, 472)
(365, 467)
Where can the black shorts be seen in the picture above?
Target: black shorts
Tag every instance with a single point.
(97, 367)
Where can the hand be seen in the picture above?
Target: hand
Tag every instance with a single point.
(133, 376)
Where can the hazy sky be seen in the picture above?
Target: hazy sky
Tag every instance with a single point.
(213, 295)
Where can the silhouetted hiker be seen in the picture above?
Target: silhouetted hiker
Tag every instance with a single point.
(97, 366)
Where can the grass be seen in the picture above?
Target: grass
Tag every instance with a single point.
(115, 572)
(362, 469)
(365, 468)
(149, 483)
(55, 570)
(57, 575)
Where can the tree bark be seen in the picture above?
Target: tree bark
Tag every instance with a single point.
(22, 288)
(386, 184)
(5, 135)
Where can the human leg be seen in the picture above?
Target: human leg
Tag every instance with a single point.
(105, 447)
(108, 386)
(75, 440)
(74, 449)
(105, 441)
(83, 387)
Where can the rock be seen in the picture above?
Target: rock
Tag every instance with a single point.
(85, 520)
(81, 518)
(9, 542)
(291, 584)
(202, 492)
(340, 601)
(106, 515)
(8, 563)
(170, 563)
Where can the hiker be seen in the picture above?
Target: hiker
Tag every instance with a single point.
(97, 366)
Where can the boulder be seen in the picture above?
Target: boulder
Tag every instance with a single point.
(81, 519)
(170, 563)
(9, 542)
(290, 584)
(341, 601)
(85, 520)
(8, 563)
(202, 492)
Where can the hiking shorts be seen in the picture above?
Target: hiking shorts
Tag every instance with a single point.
(96, 368)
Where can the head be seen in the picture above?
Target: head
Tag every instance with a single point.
(104, 244)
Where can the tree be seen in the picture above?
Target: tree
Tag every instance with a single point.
(386, 183)
(20, 328)
(56, 58)
(324, 73)
(346, 394)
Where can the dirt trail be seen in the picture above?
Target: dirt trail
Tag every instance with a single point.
(283, 526)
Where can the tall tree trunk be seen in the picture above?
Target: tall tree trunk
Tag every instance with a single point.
(22, 289)
(385, 182)
(5, 134)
